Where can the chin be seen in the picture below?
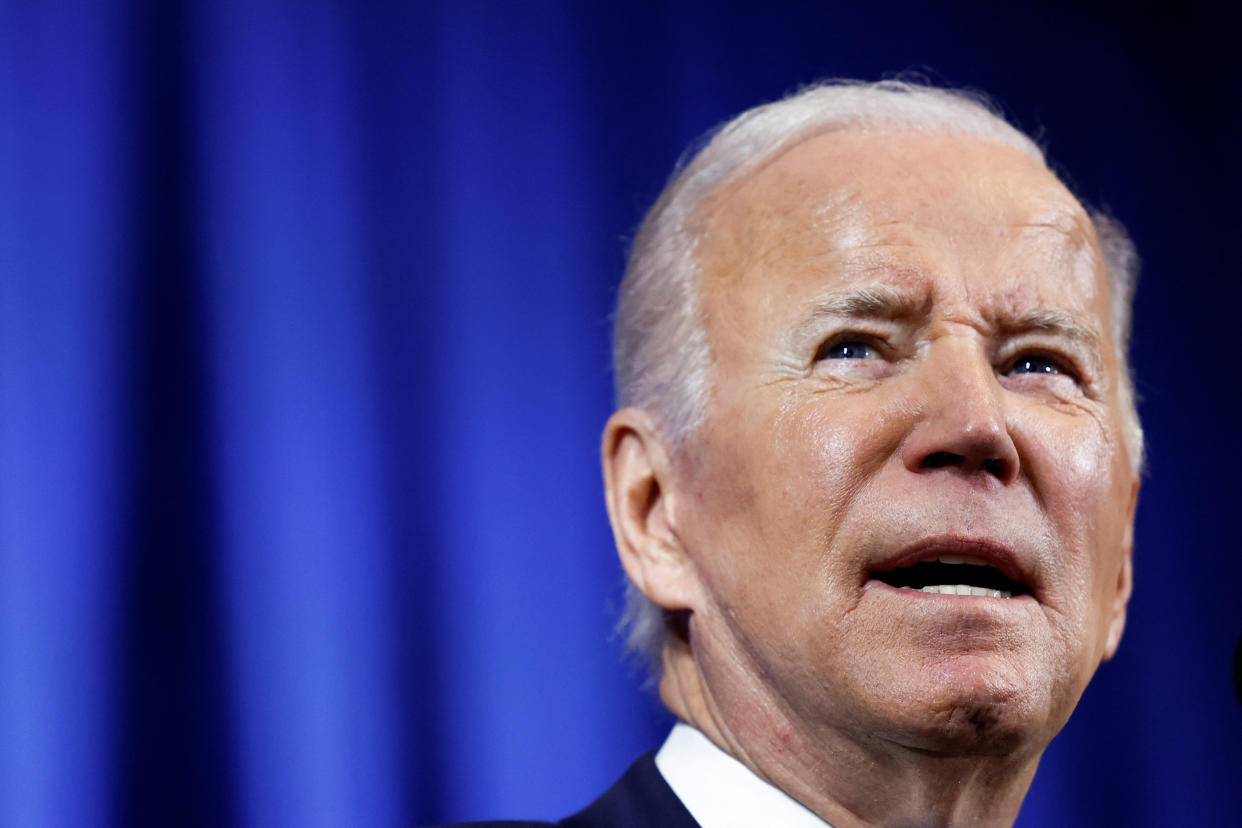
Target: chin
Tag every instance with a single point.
(979, 714)
(980, 728)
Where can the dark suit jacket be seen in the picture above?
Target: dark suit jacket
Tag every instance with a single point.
(639, 799)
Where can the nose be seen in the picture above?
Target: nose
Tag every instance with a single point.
(960, 424)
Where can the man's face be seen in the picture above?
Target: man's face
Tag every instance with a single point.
(913, 364)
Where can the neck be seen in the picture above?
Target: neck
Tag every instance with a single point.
(848, 779)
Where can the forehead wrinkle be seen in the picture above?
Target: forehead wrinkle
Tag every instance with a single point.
(1074, 225)
(1072, 231)
(776, 220)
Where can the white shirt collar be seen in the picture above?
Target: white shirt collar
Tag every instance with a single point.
(721, 792)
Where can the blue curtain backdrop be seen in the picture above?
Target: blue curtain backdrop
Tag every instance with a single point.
(304, 357)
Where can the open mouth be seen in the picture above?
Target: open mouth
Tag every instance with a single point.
(954, 575)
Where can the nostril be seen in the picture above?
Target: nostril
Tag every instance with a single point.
(995, 467)
(941, 459)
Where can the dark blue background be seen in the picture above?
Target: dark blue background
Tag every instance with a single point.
(304, 358)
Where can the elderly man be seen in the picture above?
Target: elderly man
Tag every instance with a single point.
(874, 477)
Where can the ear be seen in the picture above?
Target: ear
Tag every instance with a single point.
(1125, 579)
(639, 488)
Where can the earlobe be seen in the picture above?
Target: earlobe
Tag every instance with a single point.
(1125, 580)
(639, 491)
(1117, 625)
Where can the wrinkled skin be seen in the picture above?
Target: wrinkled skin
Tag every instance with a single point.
(911, 345)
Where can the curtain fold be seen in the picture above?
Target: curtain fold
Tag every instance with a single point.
(64, 410)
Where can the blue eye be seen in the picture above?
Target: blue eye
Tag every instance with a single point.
(1035, 364)
(848, 350)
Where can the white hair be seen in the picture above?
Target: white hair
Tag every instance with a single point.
(661, 353)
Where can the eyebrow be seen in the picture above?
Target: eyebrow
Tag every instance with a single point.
(864, 302)
(869, 301)
(1062, 324)
(1053, 321)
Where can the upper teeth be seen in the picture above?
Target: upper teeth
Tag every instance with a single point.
(966, 589)
(962, 559)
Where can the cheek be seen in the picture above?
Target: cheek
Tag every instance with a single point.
(1070, 459)
(768, 492)
(837, 444)
(1078, 469)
